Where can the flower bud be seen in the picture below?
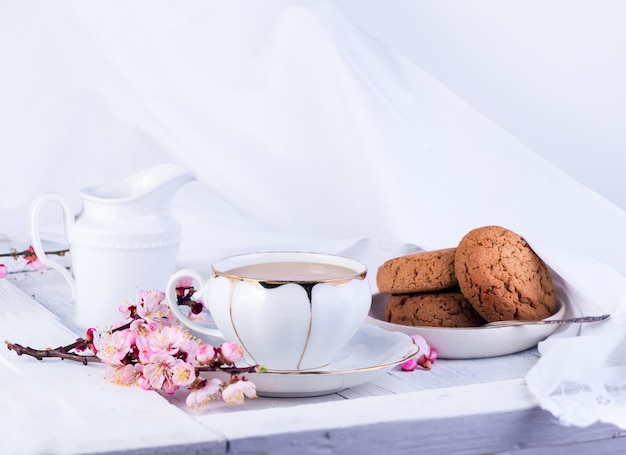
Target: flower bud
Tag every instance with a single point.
(205, 354)
(231, 353)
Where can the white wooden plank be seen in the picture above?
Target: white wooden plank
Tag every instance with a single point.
(474, 400)
(49, 290)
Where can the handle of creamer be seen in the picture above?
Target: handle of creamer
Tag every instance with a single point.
(36, 238)
(173, 302)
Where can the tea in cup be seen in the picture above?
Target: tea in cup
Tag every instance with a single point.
(290, 311)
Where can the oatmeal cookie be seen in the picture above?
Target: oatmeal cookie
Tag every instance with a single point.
(432, 309)
(419, 272)
(502, 277)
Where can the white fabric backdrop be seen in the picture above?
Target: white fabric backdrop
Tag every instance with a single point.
(304, 131)
(550, 72)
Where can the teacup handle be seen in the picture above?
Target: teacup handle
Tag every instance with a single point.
(36, 238)
(173, 302)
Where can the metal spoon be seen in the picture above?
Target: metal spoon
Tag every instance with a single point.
(547, 321)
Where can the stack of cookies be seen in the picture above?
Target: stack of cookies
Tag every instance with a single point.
(491, 275)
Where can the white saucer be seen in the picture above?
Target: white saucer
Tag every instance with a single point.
(473, 342)
(371, 352)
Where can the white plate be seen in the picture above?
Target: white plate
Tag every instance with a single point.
(371, 352)
(471, 343)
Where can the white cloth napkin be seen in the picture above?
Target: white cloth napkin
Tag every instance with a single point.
(581, 375)
(303, 131)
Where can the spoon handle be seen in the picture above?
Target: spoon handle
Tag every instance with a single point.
(548, 321)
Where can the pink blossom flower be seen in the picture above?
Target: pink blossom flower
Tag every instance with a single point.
(151, 297)
(125, 375)
(168, 373)
(159, 372)
(234, 393)
(200, 396)
(426, 361)
(144, 349)
(144, 327)
(151, 308)
(184, 283)
(425, 358)
(131, 335)
(89, 336)
(167, 340)
(33, 261)
(127, 309)
(189, 349)
(231, 353)
(183, 373)
(409, 365)
(112, 347)
(143, 382)
(427, 355)
(205, 354)
(3, 270)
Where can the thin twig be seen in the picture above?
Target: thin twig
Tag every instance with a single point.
(60, 352)
(27, 253)
(231, 370)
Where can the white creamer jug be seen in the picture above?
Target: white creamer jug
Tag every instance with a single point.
(123, 240)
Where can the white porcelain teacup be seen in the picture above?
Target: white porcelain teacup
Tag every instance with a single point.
(290, 311)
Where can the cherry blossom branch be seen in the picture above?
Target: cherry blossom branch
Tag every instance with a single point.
(30, 253)
(233, 370)
(62, 352)
(149, 351)
(29, 256)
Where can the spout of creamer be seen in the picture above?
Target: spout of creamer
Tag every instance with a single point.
(145, 193)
